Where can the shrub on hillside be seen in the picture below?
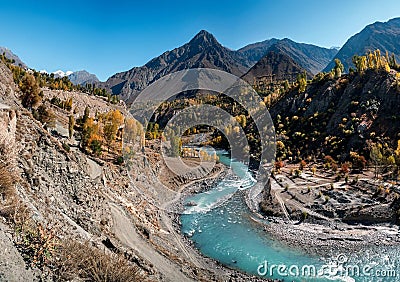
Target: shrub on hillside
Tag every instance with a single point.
(86, 262)
(30, 91)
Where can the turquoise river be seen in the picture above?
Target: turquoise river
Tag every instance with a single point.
(222, 227)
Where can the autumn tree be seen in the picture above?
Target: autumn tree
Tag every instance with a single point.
(90, 132)
(280, 149)
(30, 91)
(345, 168)
(86, 115)
(68, 104)
(376, 155)
(372, 60)
(71, 124)
(278, 165)
(130, 130)
(302, 164)
(360, 62)
(302, 82)
(359, 162)
(45, 115)
(112, 121)
(329, 162)
(314, 170)
(339, 68)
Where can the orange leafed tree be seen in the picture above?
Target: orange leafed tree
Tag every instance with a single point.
(91, 132)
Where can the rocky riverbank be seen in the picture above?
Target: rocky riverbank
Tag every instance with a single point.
(333, 238)
(222, 272)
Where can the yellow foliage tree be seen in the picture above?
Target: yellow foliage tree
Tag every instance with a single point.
(112, 121)
(91, 136)
(130, 131)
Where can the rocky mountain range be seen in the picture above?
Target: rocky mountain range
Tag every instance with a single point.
(81, 77)
(384, 36)
(204, 51)
(308, 56)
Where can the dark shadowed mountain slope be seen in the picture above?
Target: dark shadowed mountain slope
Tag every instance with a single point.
(276, 65)
(383, 36)
(203, 51)
(310, 57)
(254, 52)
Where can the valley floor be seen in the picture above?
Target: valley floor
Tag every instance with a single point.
(323, 216)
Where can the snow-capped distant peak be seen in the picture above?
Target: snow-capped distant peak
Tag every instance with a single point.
(60, 73)
(44, 71)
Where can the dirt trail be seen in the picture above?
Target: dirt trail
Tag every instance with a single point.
(168, 222)
(126, 232)
(275, 187)
(283, 207)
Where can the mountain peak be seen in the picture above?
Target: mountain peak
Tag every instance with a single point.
(61, 73)
(204, 33)
(204, 37)
(82, 77)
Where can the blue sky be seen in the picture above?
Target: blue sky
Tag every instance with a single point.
(105, 37)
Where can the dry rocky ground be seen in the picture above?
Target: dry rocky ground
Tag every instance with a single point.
(322, 215)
